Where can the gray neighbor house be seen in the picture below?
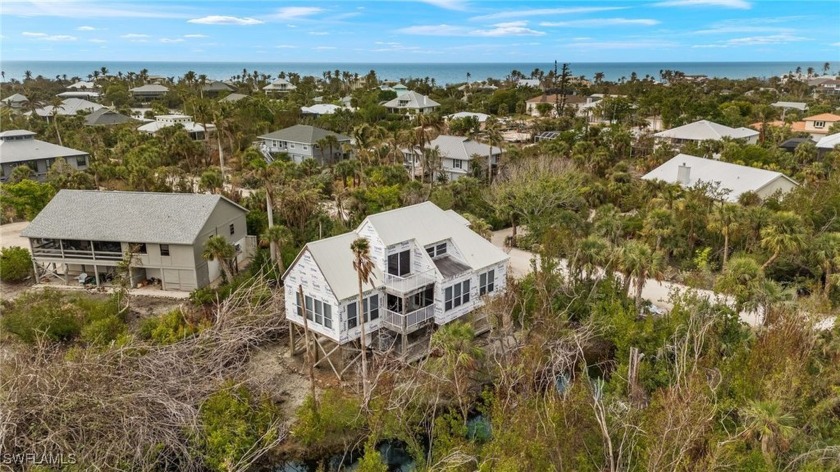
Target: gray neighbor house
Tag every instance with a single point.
(302, 142)
(19, 147)
(88, 232)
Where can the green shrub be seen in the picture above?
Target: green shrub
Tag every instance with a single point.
(232, 424)
(169, 328)
(47, 313)
(337, 417)
(15, 264)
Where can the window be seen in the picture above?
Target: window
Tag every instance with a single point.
(81, 161)
(458, 163)
(436, 250)
(456, 295)
(137, 248)
(164, 249)
(232, 229)
(400, 263)
(487, 282)
(371, 310)
(819, 124)
(316, 310)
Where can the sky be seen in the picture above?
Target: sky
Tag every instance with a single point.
(420, 31)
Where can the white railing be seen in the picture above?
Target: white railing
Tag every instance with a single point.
(409, 282)
(410, 321)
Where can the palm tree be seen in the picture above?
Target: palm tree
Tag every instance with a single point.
(658, 224)
(217, 248)
(459, 357)
(639, 262)
(827, 252)
(363, 265)
(724, 221)
(277, 237)
(784, 233)
(56, 103)
(767, 420)
(330, 142)
(494, 136)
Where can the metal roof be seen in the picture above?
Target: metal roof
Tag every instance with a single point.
(459, 147)
(303, 134)
(796, 105)
(426, 223)
(16, 98)
(143, 217)
(69, 107)
(704, 129)
(234, 97)
(736, 178)
(414, 101)
(335, 259)
(829, 142)
(30, 149)
(105, 116)
(481, 117)
(149, 88)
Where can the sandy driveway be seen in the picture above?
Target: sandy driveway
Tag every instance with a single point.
(10, 235)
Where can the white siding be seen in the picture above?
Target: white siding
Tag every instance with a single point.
(306, 273)
(377, 247)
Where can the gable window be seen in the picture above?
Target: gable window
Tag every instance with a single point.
(487, 282)
(436, 250)
(399, 263)
(456, 295)
(232, 229)
(164, 249)
(457, 163)
(819, 124)
(371, 310)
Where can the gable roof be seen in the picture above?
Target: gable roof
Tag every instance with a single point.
(703, 130)
(737, 178)
(280, 84)
(106, 116)
(335, 260)
(303, 134)
(16, 98)
(414, 101)
(829, 142)
(460, 147)
(426, 223)
(822, 117)
(23, 150)
(144, 217)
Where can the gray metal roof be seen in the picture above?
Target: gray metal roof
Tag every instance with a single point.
(449, 267)
(736, 178)
(703, 130)
(23, 150)
(149, 88)
(16, 98)
(335, 259)
(303, 134)
(459, 147)
(217, 86)
(797, 105)
(829, 142)
(143, 217)
(70, 107)
(413, 100)
(105, 116)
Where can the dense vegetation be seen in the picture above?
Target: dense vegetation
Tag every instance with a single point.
(576, 373)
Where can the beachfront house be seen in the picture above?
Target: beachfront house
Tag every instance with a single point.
(705, 130)
(411, 102)
(430, 269)
(86, 233)
(733, 179)
(279, 86)
(301, 142)
(19, 147)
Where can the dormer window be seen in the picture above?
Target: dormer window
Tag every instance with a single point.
(436, 250)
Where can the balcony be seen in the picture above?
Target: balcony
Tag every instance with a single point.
(79, 250)
(408, 283)
(410, 322)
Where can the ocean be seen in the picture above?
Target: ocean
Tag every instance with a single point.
(443, 73)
